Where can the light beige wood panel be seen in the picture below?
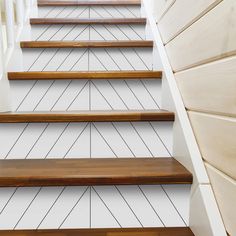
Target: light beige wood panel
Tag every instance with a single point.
(210, 38)
(216, 138)
(181, 15)
(160, 7)
(210, 88)
(225, 191)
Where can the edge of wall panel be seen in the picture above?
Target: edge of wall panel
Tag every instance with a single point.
(224, 189)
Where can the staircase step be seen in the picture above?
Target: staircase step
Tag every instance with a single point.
(90, 3)
(57, 75)
(87, 116)
(92, 171)
(86, 44)
(165, 231)
(45, 21)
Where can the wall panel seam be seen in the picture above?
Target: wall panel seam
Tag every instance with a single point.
(206, 61)
(205, 112)
(167, 9)
(193, 21)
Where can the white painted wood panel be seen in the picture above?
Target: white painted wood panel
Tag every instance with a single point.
(81, 140)
(87, 59)
(210, 88)
(205, 218)
(89, 12)
(181, 15)
(54, 95)
(162, 203)
(210, 38)
(224, 189)
(86, 32)
(160, 7)
(216, 139)
(94, 207)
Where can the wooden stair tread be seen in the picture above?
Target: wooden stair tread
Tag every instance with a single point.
(165, 231)
(45, 75)
(36, 21)
(86, 44)
(87, 116)
(95, 171)
(90, 3)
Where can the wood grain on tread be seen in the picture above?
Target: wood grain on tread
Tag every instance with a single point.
(86, 44)
(165, 231)
(90, 3)
(92, 171)
(45, 75)
(87, 116)
(40, 21)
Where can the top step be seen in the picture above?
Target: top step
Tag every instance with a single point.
(110, 21)
(90, 3)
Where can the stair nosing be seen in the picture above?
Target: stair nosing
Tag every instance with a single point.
(86, 116)
(161, 231)
(88, 44)
(93, 75)
(92, 171)
(91, 3)
(41, 21)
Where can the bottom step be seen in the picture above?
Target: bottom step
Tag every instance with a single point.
(181, 231)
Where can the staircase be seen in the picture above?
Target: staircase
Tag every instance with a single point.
(88, 149)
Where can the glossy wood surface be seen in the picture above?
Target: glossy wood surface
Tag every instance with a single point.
(90, 3)
(41, 21)
(111, 75)
(168, 231)
(97, 171)
(86, 44)
(87, 116)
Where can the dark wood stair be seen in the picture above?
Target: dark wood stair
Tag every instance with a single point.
(87, 116)
(42, 3)
(97, 171)
(110, 21)
(168, 231)
(87, 44)
(111, 75)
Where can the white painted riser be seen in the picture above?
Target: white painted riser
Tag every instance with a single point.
(78, 59)
(96, 207)
(100, 206)
(85, 140)
(87, 32)
(62, 95)
(90, 12)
